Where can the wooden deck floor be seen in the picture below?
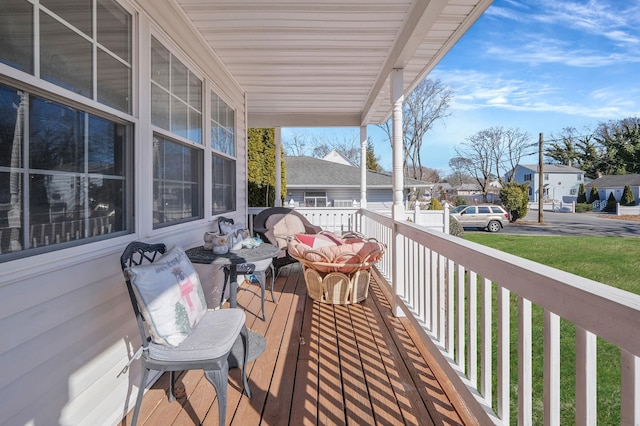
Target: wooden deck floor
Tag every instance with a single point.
(324, 365)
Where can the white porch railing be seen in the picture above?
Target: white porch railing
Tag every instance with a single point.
(448, 290)
(345, 219)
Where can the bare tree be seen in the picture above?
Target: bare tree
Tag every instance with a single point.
(489, 154)
(427, 104)
(459, 174)
(347, 144)
(297, 144)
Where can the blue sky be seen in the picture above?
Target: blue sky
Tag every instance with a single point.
(538, 66)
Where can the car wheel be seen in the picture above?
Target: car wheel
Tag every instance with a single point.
(494, 226)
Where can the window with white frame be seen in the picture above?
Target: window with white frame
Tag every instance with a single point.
(178, 153)
(546, 176)
(177, 182)
(176, 95)
(527, 177)
(64, 175)
(223, 162)
(91, 60)
(579, 176)
(315, 199)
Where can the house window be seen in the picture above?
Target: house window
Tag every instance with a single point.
(177, 182)
(223, 163)
(94, 62)
(176, 95)
(579, 176)
(315, 199)
(546, 176)
(222, 126)
(527, 177)
(64, 176)
(223, 188)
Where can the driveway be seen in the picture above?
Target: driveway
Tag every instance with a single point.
(593, 224)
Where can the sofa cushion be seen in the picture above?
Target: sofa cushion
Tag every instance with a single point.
(170, 296)
(316, 241)
(284, 226)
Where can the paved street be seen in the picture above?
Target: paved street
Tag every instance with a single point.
(572, 224)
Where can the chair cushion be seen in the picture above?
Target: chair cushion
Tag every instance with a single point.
(170, 296)
(212, 338)
(316, 241)
(283, 226)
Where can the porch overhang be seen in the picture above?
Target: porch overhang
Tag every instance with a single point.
(326, 63)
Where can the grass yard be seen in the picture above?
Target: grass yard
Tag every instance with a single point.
(610, 260)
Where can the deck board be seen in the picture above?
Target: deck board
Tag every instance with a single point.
(324, 364)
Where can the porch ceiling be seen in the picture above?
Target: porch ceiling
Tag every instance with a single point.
(306, 63)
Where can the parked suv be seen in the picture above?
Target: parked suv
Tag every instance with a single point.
(491, 217)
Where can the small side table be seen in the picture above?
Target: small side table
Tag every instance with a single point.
(232, 259)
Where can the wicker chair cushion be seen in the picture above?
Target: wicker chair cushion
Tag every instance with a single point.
(351, 255)
(316, 241)
(282, 227)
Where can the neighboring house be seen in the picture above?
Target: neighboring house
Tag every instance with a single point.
(315, 182)
(560, 182)
(615, 184)
(471, 191)
(336, 157)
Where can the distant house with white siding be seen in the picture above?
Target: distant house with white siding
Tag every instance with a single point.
(560, 182)
(615, 184)
(315, 182)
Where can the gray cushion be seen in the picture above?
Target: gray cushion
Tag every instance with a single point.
(212, 337)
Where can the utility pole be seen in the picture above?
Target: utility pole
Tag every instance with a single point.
(540, 175)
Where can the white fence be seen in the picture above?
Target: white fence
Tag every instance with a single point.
(460, 293)
(341, 220)
(627, 210)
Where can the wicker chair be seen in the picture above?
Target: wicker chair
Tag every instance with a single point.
(276, 225)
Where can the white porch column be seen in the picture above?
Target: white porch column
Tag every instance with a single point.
(363, 167)
(397, 210)
(277, 136)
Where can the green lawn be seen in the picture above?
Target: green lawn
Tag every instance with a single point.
(610, 260)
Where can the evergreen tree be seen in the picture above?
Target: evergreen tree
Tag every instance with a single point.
(515, 199)
(593, 195)
(372, 160)
(611, 204)
(261, 168)
(627, 197)
(435, 204)
(582, 195)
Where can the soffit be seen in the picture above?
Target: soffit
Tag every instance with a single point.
(326, 63)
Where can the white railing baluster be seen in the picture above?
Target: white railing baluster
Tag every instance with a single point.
(451, 269)
(487, 344)
(630, 389)
(525, 410)
(503, 356)
(552, 369)
(434, 293)
(460, 312)
(472, 324)
(586, 380)
(441, 294)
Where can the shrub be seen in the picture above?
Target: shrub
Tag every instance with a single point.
(583, 207)
(611, 204)
(593, 195)
(627, 197)
(435, 205)
(582, 195)
(515, 199)
(460, 200)
(455, 228)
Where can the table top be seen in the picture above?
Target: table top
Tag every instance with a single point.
(262, 252)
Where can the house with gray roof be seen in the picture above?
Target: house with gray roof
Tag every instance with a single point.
(314, 182)
(615, 184)
(560, 182)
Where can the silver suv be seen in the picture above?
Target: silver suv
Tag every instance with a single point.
(491, 217)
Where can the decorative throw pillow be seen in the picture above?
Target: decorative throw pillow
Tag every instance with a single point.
(170, 296)
(315, 241)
